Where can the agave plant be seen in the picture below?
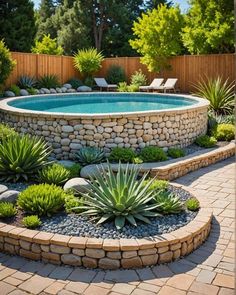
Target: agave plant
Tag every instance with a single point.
(220, 94)
(26, 82)
(22, 156)
(90, 155)
(119, 196)
(168, 202)
(48, 81)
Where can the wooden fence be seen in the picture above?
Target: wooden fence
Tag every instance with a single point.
(187, 68)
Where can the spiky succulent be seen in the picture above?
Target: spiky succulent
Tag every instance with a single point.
(26, 82)
(192, 204)
(54, 174)
(22, 156)
(90, 155)
(168, 202)
(120, 197)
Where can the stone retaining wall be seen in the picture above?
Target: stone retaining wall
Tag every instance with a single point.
(107, 253)
(67, 133)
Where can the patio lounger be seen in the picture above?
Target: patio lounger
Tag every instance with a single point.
(155, 83)
(169, 85)
(102, 84)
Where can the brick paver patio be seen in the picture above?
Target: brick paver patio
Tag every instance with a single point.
(208, 270)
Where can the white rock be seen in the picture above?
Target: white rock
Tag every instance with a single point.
(3, 188)
(9, 93)
(9, 196)
(84, 89)
(45, 90)
(58, 90)
(67, 128)
(67, 86)
(78, 184)
(63, 89)
(52, 90)
(24, 92)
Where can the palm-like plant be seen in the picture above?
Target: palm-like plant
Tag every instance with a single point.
(21, 157)
(119, 197)
(220, 94)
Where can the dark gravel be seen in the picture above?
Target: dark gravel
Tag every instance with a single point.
(77, 225)
(18, 186)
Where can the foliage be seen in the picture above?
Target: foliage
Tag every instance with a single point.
(157, 36)
(138, 78)
(32, 221)
(75, 83)
(119, 196)
(214, 120)
(168, 203)
(42, 199)
(137, 160)
(176, 152)
(206, 141)
(26, 82)
(151, 4)
(157, 184)
(6, 131)
(32, 90)
(73, 204)
(123, 155)
(7, 64)
(133, 88)
(48, 81)
(54, 174)
(47, 46)
(7, 209)
(224, 132)
(15, 89)
(122, 87)
(17, 24)
(89, 81)
(152, 154)
(209, 27)
(88, 61)
(192, 204)
(74, 170)
(90, 155)
(220, 94)
(115, 74)
(22, 156)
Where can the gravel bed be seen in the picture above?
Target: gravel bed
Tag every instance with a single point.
(18, 186)
(77, 225)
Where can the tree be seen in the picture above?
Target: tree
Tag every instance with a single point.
(6, 63)
(47, 46)
(209, 27)
(17, 24)
(157, 36)
(151, 4)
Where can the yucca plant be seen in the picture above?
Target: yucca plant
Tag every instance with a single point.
(48, 81)
(54, 174)
(88, 61)
(26, 82)
(90, 155)
(119, 196)
(168, 202)
(22, 156)
(220, 94)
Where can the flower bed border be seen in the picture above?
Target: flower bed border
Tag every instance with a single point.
(107, 253)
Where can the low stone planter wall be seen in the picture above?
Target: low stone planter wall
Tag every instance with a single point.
(107, 253)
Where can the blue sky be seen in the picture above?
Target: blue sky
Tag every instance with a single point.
(182, 3)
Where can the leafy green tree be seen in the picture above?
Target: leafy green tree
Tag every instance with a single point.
(17, 24)
(6, 63)
(47, 46)
(157, 36)
(209, 27)
(151, 4)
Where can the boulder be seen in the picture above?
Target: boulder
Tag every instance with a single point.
(3, 188)
(45, 90)
(67, 86)
(78, 184)
(89, 170)
(63, 89)
(84, 89)
(9, 93)
(41, 91)
(24, 92)
(52, 90)
(9, 196)
(58, 90)
(66, 163)
(71, 90)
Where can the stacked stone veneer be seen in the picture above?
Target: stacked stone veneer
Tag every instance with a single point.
(66, 133)
(106, 253)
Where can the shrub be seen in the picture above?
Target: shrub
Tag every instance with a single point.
(88, 61)
(48, 81)
(74, 170)
(73, 204)
(75, 83)
(7, 209)
(152, 154)
(6, 132)
(90, 155)
(138, 78)
(21, 157)
(15, 89)
(7, 64)
(220, 94)
(168, 203)
(192, 204)
(47, 46)
(176, 153)
(225, 132)
(122, 87)
(89, 81)
(133, 88)
(157, 184)
(54, 174)
(42, 199)
(123, 155)
(26, 82)
(206, 141)
(32, 91)
(115, 74)
(31, 221)
(119, 196)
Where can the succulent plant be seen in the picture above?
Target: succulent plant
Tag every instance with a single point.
(192, 204)
(168, 202)
(54, 174)
(31, 221)
(26, 82)
(7, 210)
(90, 155)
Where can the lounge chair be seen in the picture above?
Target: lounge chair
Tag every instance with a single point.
(102, 84)
(155, 84)
(169, 85)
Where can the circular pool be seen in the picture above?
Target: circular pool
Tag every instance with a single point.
(71, 121)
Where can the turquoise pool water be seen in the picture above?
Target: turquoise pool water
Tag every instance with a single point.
(96, 103)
